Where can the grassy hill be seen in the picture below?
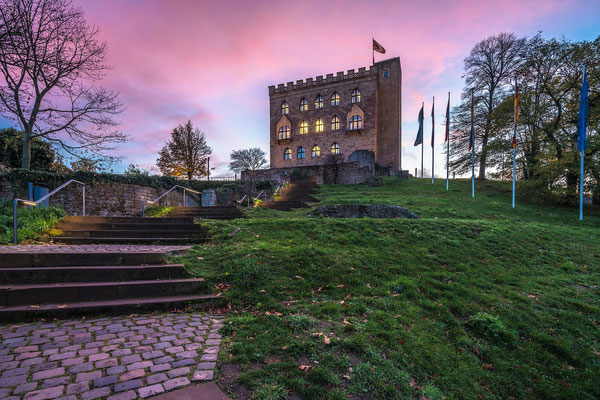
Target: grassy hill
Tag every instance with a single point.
(473, 300)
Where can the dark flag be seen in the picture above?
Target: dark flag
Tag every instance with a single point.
(432, 123)
(447, 120)
(582, 142)
(419, 139)
(377, 47)
(472, 136)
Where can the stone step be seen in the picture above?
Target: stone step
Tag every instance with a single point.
(90, 273)
(96, 233)
(129, 226)
(35, 294)
(71, 258)
(122, 220)
(128, 240)
(204, 216)
(115, 306)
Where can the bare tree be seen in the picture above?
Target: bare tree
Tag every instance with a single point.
(248, 159)
(49, 59)
(335, 160)
(186, 154)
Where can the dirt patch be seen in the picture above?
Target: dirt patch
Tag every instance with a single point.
(227, 381)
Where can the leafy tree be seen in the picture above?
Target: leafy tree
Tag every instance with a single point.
(248, 159)
(186, 154)
(11, 151)
(135, 170)
(49, 59)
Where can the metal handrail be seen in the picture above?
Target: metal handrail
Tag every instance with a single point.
(37, 202)
(242, 199)
(144, 202)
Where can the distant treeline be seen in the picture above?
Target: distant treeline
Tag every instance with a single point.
(549, 75)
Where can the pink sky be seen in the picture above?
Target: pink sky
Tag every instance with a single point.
(212, 62)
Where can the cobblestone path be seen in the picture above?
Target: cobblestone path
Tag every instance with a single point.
(115, 357)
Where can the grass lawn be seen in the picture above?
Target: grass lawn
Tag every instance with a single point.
(473, 300)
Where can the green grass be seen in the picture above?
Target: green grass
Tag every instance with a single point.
(472, 300)
(158, 211)
(32, 222)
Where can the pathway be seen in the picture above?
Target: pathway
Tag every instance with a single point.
(119, 358)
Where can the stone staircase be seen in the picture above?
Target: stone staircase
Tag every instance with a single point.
(295, 195)
(61, 284)
(216, 212)
(128, 230)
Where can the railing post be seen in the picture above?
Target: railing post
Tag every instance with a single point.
(15, 241)
(184, 197)
(84, 200)
(143, 208)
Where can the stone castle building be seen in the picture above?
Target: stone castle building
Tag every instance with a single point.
(338, 114)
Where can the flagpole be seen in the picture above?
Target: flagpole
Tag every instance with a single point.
(472, 149)
(448, 146)
(432, 139)
(514, 144)
(422, 142)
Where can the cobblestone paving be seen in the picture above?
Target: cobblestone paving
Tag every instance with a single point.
(89, 248)
(118, 358)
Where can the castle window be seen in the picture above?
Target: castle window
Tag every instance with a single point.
(301, 152)
(335, 100)
(287, 154)
(355, 123)
(316, 151)
(319, 102)
(335, 123)
(385, 73)
(356, 96)
(335, 148)
(285, 108)
(319, 125)
(303, 128)
(284, 132)
(303, 105)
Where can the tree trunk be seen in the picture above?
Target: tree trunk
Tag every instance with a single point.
(26, 156)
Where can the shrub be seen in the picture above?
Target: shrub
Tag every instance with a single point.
(32, 222)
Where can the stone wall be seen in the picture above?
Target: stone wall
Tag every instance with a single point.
(347, 173)
(102, 198)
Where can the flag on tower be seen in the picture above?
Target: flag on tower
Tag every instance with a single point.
(419, 139)
(377, 47)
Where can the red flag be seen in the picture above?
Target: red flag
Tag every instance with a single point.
(377, 47)
(514, 139)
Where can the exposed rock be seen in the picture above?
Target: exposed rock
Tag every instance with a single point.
(364, 211)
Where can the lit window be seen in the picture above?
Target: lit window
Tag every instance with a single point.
(303, 128)
(319, 125)
(335, 100)
(356, 96)
(385, 73)
(301, 153)
(284, 132)
(285, 108)
(316, 151)
(287, 154)
(335, 148)
(303, 105)
(319, 102)
(335, 123)
(355, 123)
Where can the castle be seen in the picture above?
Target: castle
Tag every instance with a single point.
(341, 114)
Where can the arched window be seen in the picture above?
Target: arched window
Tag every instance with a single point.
(335, 148)
(319, 102)
(284, 132)
(319, 125)
(303, 105)
(285, 108)
(335, 123)
(356, 96)
(355, 123)
(385, 73)
(316, 151)
(301, 153)
(287, 154)
(303, 128)
(335, 100)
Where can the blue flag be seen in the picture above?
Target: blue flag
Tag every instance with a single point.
(419, 139)
(582, 142)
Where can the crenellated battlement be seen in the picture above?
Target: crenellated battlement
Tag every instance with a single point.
(319, 80)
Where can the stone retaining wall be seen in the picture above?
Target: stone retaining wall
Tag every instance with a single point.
(347, 173)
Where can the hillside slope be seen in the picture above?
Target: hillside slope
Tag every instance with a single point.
(472, 300)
